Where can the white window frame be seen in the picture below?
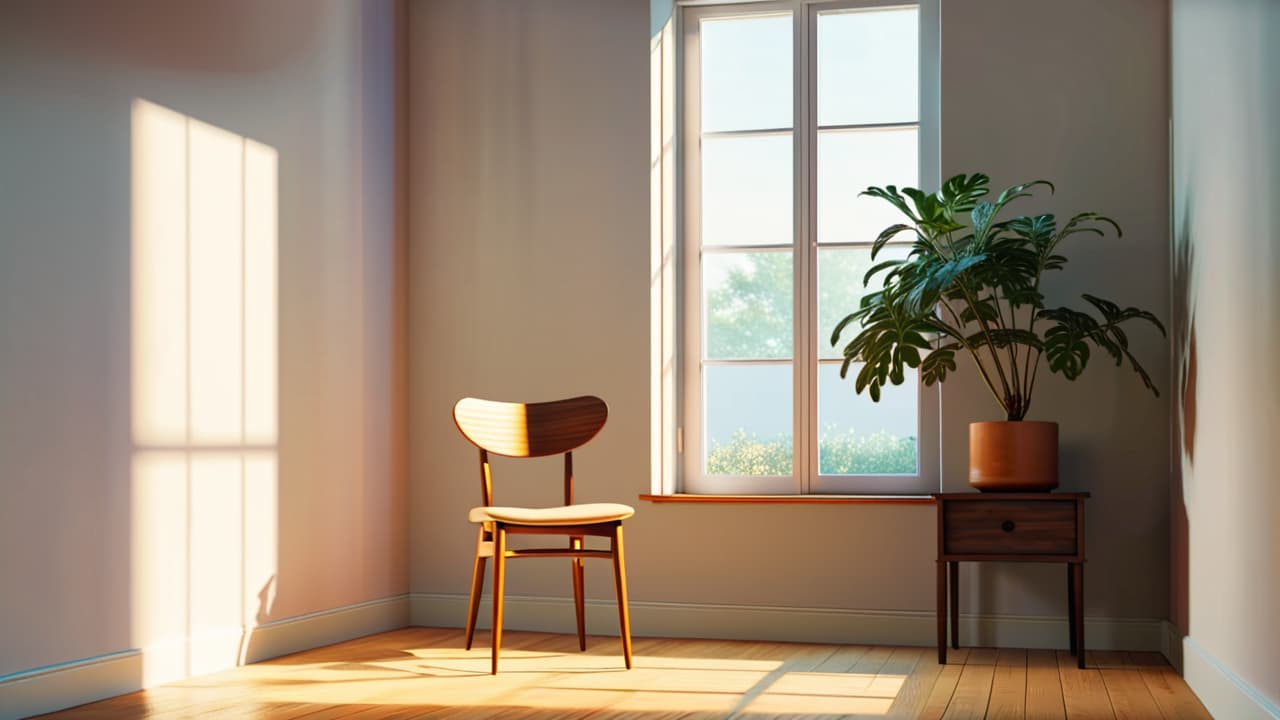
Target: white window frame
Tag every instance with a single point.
(805, 478)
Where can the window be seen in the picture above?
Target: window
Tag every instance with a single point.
(790, 109)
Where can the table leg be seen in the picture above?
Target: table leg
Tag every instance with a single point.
(1078, 571)
(942, 613)
(955, 604)
(1071, 607)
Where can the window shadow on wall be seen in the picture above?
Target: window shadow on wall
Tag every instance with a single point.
(204, 378)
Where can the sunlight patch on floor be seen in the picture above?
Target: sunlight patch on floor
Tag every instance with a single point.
(836, 693)
(551, 678)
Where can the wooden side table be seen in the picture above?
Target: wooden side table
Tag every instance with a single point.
(1010, 527)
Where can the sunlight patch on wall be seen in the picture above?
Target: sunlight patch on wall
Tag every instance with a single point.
(204, 391)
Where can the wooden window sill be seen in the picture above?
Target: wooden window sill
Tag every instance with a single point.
(793, 499)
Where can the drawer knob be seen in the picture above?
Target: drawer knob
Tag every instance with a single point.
(1007, 526)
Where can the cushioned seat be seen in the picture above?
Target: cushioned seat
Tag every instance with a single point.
(584, 514)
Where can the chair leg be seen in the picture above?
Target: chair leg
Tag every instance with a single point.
(477, 587)
(620, 583)
(499, 571)
(579, 604)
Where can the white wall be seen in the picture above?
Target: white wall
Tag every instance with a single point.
(529, 276)
(99, 551)
(1226, 108)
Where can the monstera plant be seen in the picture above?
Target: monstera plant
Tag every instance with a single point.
(971, 285)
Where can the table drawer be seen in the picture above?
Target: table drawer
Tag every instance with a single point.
(1009, 527)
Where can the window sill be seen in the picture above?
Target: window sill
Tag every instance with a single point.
(793, 499)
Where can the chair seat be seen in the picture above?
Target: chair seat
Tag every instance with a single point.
(585, 514)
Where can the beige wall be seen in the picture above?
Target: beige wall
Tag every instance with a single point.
(528, 251)
(529, 280)
(96, 554)
(1226, 108)
(1076, 93)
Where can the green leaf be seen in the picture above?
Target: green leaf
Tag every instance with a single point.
(984, 309)
(946, 274)
(935, 366)
(1004, 337)
(928, 209)
(1020, 191)
(1025, 296)
(885, 236)
(915, 340)
(840, 326)
(965, 255)
(865, 375)
(961, 193)
(1114, 314)
(1067, 340)
(981, 217)
(866, 279)
(909, 355)
(1076, 225)
(890, 194)
(1037, 230)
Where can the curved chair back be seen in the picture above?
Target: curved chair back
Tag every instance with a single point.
(530, 429)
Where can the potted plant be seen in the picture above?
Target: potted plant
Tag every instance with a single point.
(971, 285)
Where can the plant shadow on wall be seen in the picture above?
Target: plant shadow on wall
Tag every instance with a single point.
(971, 284)
(1184, 335)
(1184, 415)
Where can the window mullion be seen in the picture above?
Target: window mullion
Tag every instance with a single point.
(689, 433)
(806, 376)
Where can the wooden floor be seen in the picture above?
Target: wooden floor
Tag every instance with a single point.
(422, 672)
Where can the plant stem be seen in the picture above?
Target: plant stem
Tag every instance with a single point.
(986, 378)
(1029, 369)
(991, 346)
(1011, 347)
(1035, 370)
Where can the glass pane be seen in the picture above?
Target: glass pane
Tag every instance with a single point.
(857, 436)
(748, 302)
(748, 420)
(868, 66)
(746, 190)
(746, 73)
(840, 290)
(850, 161)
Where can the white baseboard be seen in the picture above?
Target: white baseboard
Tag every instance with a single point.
(1224, 694)
(748, 622)
(69, 684)
(65, 685)
(290, 635)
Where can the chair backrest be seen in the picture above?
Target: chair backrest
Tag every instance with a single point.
(530, 429)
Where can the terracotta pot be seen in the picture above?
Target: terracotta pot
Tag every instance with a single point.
(1013, 456)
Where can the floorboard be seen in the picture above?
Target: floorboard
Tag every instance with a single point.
(1170, 693)
(945, 686)
(1083, 692)
(1009, 686)
(969, 701)
(426, 673)
(1044, 687)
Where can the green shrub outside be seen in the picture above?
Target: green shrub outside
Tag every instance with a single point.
(877, 454)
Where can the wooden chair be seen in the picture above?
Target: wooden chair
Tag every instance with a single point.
(525, 430)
